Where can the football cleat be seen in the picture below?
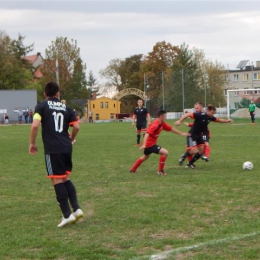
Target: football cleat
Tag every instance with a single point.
(205, 158)
(65, 221)
(190, 166)
(162, 172)
(78, 214)
(181, 160)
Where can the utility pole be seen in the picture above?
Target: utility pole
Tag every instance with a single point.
(182, 83)
(163, 89)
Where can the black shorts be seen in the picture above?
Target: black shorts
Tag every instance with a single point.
(194, 141)
(153, 149)
(58, 165)
(206, 137)
(141, 126)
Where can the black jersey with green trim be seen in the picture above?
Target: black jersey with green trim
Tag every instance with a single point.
(201, 123)
(55, 120)
(141, 114)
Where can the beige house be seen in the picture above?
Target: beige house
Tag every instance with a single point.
(244, 77)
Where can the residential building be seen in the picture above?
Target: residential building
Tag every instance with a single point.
(243, 77)
(104, 108)
(36, 60)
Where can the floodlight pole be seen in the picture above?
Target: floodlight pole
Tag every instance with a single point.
(144, 91)
(182, 76)
(57, 73)
(163, 89)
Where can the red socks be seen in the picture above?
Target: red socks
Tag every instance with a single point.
(137, 164)
(162, 162)
(207, 151)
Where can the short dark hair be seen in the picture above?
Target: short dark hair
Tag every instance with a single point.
(198, 103)
(211, 107)
(161, 112)
(51, 89)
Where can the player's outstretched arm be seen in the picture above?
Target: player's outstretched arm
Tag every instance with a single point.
(178, 122)
(221, 120)
(176, 131)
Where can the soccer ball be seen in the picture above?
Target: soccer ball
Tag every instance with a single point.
(247, 166)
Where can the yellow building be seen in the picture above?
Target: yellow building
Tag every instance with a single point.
(104, 108)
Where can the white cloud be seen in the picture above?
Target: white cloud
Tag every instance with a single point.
(226, 35)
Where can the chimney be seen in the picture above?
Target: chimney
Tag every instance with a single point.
(94, 95)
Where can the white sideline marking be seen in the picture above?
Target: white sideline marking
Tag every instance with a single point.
(165, 254)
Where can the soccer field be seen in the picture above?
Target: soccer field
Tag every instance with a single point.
(211, 212)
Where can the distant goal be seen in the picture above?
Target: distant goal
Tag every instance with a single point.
(240, 98)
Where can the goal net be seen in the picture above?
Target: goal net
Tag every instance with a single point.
(238, 101)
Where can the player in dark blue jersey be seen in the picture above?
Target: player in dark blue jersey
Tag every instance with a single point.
(142, 117)
(195, 140)
(55, 118)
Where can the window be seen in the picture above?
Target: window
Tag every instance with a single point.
(256, 76)
(246, 92)
(245, 77)
(226, 77)
(236, 105)
(235, 92)
(114, 105)
(235, 77)
(97, 116)
(93, 105)
(111, 116)
(257, 91)
(225, 92)
(106, 105)
(101, 105)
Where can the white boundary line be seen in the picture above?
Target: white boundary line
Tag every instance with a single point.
(165, 254)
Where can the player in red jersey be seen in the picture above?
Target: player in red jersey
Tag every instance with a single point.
(149, 143)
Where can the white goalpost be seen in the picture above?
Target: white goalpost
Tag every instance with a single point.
(238, 95)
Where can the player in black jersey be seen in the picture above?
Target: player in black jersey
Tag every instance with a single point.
(55, 119)
(142, 117)
(195, 140)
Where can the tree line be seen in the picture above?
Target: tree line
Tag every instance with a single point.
(173, 77)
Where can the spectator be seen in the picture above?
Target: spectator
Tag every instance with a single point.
(6, 119)
(90, 116)
(30, 116)
(26, 116)
(20, 115)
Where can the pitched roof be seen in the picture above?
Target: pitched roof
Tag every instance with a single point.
(31, 58)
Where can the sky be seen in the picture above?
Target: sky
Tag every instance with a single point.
(227, 31)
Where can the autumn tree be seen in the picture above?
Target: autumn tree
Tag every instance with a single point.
(62, 59)
(122, 74)
(158, 61)
(15, 71)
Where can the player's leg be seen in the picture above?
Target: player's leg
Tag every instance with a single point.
(197, 155)
(163, 156)
(206, 155)
(190, 150)
(138, 162)
(138, 134)
(57, 172)
(71, 190)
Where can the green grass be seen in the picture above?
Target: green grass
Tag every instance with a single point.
(133, 216)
